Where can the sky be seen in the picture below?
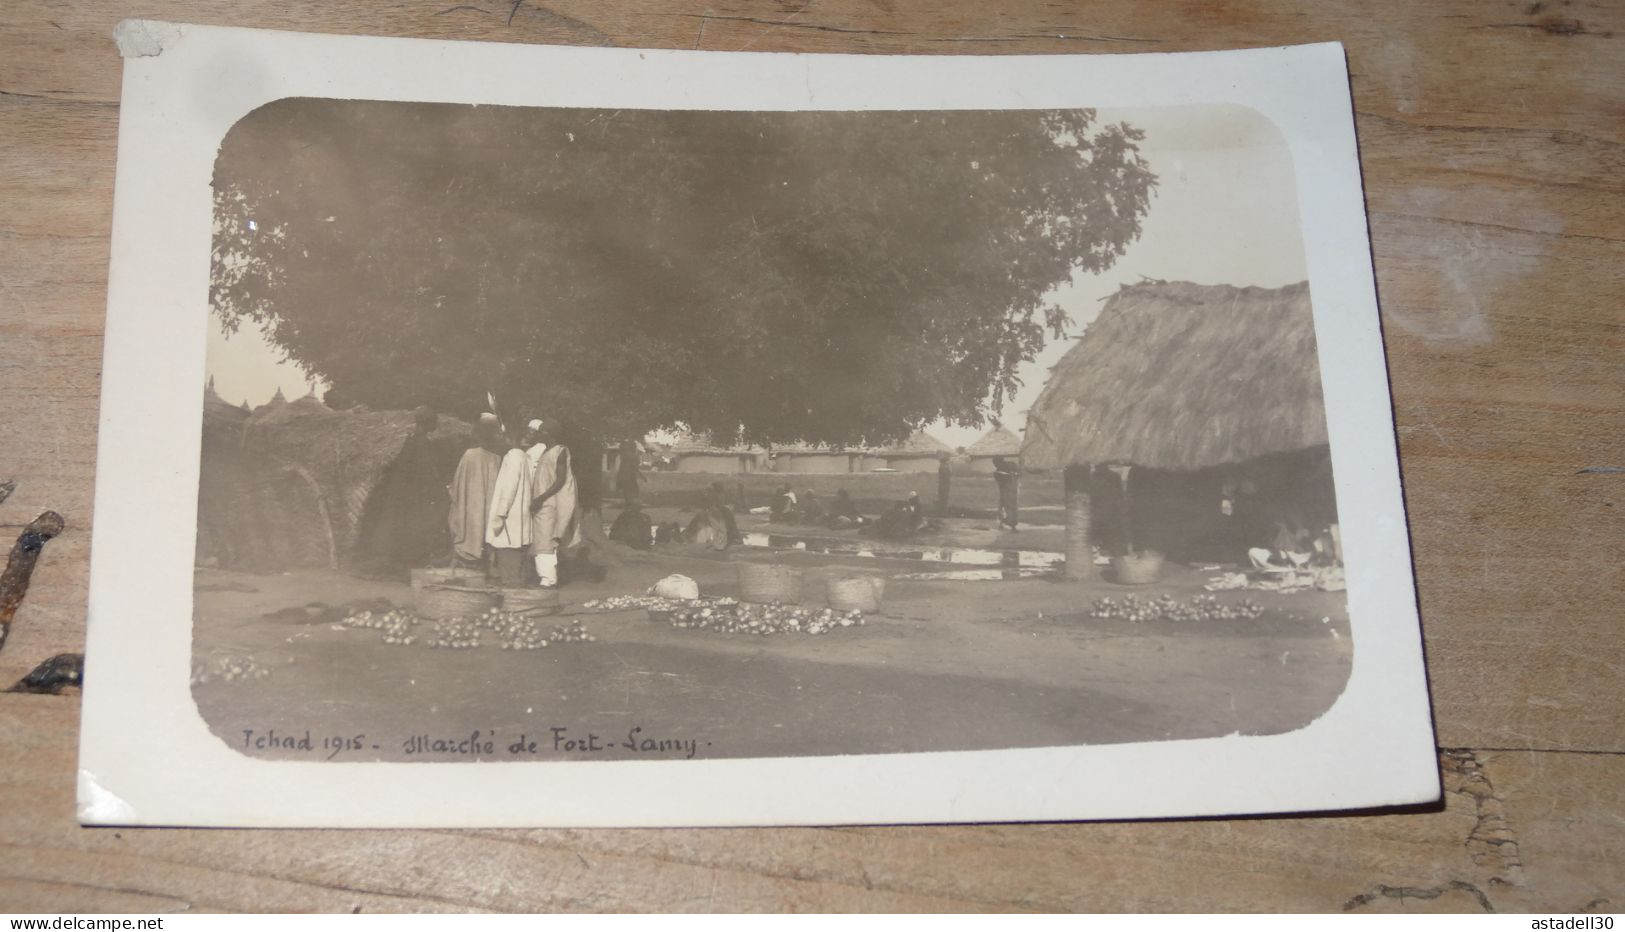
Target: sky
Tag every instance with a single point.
(1224, 212)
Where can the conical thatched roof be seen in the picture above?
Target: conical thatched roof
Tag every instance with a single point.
(997, 442)
(219, 407)
(918, 443)
(1179, 376)
(309, 403)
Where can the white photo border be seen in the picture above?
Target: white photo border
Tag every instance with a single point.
(146, 755)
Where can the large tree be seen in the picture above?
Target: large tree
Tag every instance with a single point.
(822, 276)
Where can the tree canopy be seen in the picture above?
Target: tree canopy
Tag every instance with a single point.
(821, 276)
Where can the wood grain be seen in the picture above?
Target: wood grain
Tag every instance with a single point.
(1493, 143)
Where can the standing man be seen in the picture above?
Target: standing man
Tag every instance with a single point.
(626, 470)
(553, 506)
(719, 501)
(509, 530)
(403, 524)
(945, 473)
(470, 492)
(1008, 478)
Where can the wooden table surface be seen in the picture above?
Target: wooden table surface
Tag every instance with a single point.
(1492, 136)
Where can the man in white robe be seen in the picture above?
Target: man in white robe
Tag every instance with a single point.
(553, 508)
(508, 530)
(470, 492)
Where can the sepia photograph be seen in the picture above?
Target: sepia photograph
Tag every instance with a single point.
(818, 439)
(550, 433)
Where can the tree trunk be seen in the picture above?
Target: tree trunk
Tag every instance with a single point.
(1080, 556)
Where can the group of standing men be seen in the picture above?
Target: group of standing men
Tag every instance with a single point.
(514, 497)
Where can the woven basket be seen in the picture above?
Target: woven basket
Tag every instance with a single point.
(530, 601)
(863, 593)
(768, 582)
(1137, 569)
(441, 601)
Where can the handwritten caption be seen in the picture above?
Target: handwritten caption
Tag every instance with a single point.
(480, 744)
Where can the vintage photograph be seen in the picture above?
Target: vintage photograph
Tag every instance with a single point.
(545, 433)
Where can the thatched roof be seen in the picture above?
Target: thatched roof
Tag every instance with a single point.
(813, 449)
(689, 444)
(336, 459)
(1179, 376)
(215, 406)
(918, 443)
(997, 442)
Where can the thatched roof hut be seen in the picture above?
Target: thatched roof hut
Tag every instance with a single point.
(1178, 376)
(287, 485)
(219, 409)
(811, 458)
(690, 453)
(919, 452)
(1000, 441)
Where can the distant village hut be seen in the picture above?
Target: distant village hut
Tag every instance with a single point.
(1000, 441)
(815, 459)
(699, 455)
(920, 453)
(1189, 421)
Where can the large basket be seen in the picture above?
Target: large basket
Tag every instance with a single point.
(1137, 569)
(861, 592)
(769, 582)
(530, 601)
(444, 601)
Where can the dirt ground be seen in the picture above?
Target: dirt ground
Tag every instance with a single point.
(946, 665)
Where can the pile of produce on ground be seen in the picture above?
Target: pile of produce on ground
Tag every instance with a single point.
(394, 623)
(510, 630)
(455, 633)
(570, 632)
(230, 667)
(517, 632)
(653, 603)
(729, 616)
(1166, 607)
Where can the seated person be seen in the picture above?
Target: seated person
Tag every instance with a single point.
(1327, 549)
(709, 528)
(717, 500)
(1289, 546)
(784, 503)
(811, 510)
(632, 527)
(903, 520)
(669, 532)
(843, 512)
